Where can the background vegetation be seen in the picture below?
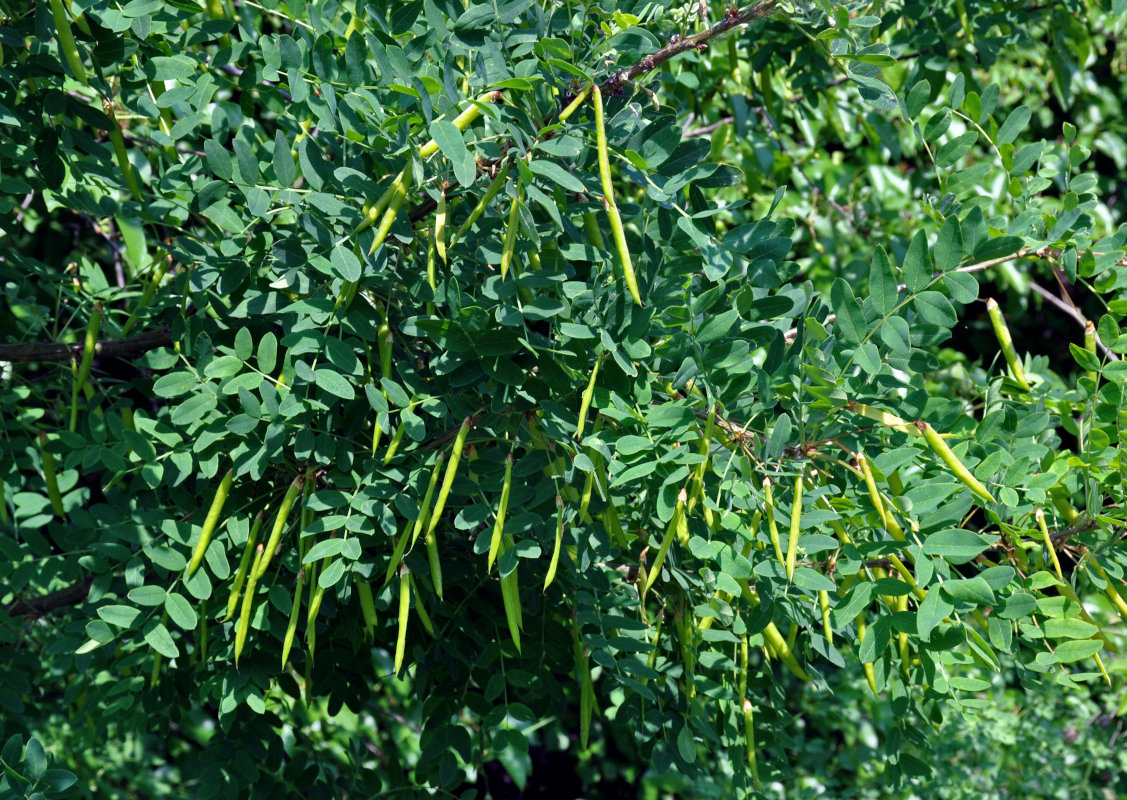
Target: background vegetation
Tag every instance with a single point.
(386, 411)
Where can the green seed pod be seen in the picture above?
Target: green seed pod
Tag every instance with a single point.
(393, 206)
(575, 103)
(509, 243)
(147, 295)
(772, 529)
(67, 44)
(279, 525)
(795, 523)
(421, 610)
(678, 518)
(444, 491)
(367, 608)
(393, 445)
(585, 401)
(128, 174)
(935, 441)
(1002, 332)
(749, 740)
(244, 565)
(608, 196)
(291, 626)
(483, 203)
(550, 576)
(211, 520)
(1090, 346)
(243, 626)
(510, 596)
(440, 229)
(404, 613)
(502, 509)
(89, 345)
(50, 477)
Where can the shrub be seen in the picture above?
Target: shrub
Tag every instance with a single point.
(677, 319)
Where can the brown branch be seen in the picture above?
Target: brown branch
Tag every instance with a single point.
(106, 348)
(39, 606)
(697, 41)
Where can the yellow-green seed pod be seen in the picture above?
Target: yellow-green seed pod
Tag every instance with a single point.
(508, 244)
(774, 638)
(279, 525)
(67, 44)
(608, 196)
(795, 523)
(444, 491)
(50, 477)
(243, 626)
(1049, 547)
(591, 227)
(483, 203)
(420, 609)
(585, 401)
(1002, 332)
(89, 346)
(824, 603)
(550, 576)
(575, 103)
(510, 596)
(940, 447)
(316, 595)
(393, 445)
(772, 528)
(678, 517)
(870, 673)
(502, 509)
(421, 520)
(1090, 346)
(367, 608)
(244, 566)
(440, 228)
(749, 740)
(404, 613)
(373, 211)
(887, 520)
(121, 155)
(211, 520)
(295, 610)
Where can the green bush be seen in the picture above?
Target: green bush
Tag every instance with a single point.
(626, 371)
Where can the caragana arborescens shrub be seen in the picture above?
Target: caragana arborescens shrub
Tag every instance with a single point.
(337, 297)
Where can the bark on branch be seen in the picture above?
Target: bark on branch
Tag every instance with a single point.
(107, 348)
(38, 606)
(699, 41)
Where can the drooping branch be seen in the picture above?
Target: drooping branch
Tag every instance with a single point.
(107, 348)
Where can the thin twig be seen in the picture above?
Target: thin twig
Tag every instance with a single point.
(705, 130)
(1073, 312)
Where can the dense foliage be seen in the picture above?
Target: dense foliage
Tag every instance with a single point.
(473, 397)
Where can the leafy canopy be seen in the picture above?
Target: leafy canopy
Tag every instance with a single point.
(362, 259)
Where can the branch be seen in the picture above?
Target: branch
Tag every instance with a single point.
(106, 348)
(38, 606)
(698, 41)
(705, 130)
